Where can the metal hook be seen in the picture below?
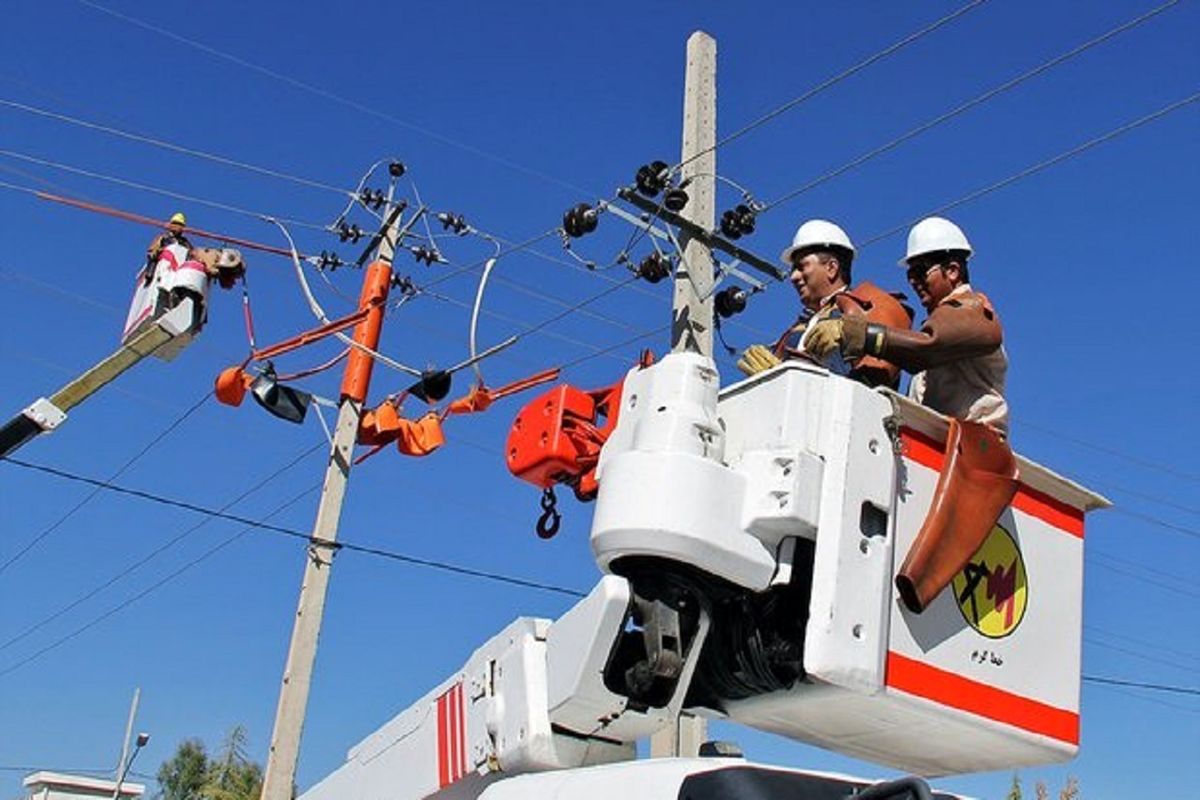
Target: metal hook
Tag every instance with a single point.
(548, 522)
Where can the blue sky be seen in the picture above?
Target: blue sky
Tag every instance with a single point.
(509, 114)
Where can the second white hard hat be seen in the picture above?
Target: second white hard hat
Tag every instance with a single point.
(934, 235)
(817, 233)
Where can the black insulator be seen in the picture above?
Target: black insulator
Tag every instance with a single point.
(425, 255)
(329, 260)
(355, 234)
(730, 301)
(675, 199)
(405, 285)
(651, 178)
(396, 169)
(377, 199)
(730, 228)
(654, 268)
(453, 222)
(343, 232)
(746, 219)
(580, 220)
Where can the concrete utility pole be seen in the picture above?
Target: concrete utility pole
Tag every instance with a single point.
(297, 674)
(692, 320)
(137, 694)
(692, 329)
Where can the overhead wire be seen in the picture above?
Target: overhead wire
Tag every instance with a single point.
(129, 462)
(854, 69)
(176, 148)
(262, 524)
(1039, 166)
(319, 312)
(294, 533)
(968, 105)
(333, 96)
(130, 184)
(157, 551)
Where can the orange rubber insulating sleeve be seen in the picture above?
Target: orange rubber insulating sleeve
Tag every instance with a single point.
(357, 377)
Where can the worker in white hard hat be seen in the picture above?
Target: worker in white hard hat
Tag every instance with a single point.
(172, 234)
(820, 257)
(957, 355)
(959, 364)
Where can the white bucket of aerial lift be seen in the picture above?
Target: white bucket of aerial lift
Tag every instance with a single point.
(175, 277)
(939, 692)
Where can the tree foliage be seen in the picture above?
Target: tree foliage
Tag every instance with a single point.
(191, 774)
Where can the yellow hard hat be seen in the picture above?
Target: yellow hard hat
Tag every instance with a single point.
(179, 217)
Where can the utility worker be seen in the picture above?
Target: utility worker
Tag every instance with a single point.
(172, 234)
(960, 367)
(820, 258)
(957, 354)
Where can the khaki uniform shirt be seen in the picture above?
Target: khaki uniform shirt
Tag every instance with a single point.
(970, 388)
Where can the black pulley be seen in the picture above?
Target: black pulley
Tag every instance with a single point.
(654, 267)
(433, 386)
(396, 169)
(675, 199)
(580, 220)
(651, 178)
(730, 301)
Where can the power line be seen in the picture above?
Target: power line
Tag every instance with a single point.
(286, 531)
(1162, 523)
(1141, 462)
(176, 148)
(129, 184)
(120, 470)
(838, 78)
(334, 97)
(160, 549)
(1157, 687)
(968, 105)
(1041, 165)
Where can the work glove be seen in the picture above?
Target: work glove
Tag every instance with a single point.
(847, 334)
(756, 359)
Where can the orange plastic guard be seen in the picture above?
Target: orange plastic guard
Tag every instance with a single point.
(556, 439)
(357, 376)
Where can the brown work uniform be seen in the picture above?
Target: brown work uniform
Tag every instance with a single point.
(958, 358)
(865, 300)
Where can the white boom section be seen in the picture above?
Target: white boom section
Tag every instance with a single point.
(532, 698)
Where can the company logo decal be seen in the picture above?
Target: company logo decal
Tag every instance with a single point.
(992, 591)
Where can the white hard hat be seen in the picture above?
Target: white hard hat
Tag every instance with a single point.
(935, 235)
(817, 233)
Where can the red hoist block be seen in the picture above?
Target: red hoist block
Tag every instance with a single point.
(555, 438)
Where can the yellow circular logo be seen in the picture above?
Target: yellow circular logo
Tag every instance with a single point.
(992, 590)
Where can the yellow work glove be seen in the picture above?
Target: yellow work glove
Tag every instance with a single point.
(824, 337)
(755, 359)
(846, 334)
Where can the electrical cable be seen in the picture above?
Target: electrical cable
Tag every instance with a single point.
(158, 550)
(319, 312)
(333, 97)
(1038, 167)
(285, 531)
(1141, 462)
(968, 105)
(146, 448)
(1157, 687)
(160, 143)
(838, 78)
(153, 189)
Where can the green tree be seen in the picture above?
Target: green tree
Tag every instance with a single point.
(233, 776)
(191, 774)
(182, 776)
(1014, 791)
